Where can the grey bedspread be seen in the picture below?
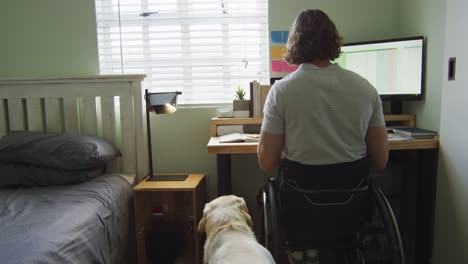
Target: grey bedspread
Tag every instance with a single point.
(81, 223)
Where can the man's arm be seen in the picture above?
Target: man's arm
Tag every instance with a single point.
(269, 150)
(377, 146)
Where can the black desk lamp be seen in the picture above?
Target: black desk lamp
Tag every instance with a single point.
(160, 103)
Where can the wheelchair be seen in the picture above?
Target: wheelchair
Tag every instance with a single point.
(332, 208)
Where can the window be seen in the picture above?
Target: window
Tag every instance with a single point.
(203, 48)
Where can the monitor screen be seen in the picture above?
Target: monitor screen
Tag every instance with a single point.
(393, 66)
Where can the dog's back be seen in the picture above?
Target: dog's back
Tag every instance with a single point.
(230, 239)
(236, 244)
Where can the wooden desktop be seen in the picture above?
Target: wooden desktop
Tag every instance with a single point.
(214, 147)
(426, 151)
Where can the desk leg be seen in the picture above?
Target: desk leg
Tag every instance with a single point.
(224, 174)
(425, 214)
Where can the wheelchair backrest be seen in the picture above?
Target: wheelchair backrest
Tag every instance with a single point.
(322, 205)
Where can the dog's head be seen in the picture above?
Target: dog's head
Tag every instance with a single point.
(224, 210)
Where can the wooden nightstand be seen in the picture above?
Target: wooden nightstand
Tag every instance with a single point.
(182, 205)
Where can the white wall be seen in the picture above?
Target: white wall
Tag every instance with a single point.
(451, 229)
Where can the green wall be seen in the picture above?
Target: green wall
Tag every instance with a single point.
(357, 20)
(47, 38)
(427, 18)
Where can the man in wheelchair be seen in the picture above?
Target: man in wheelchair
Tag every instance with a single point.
(324, 129)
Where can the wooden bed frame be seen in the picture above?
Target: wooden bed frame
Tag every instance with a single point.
(108, 106)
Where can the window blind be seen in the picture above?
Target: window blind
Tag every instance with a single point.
(203, 48)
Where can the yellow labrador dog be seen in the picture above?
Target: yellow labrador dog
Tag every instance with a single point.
(230, 239)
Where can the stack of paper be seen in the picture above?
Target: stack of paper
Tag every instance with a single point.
(415, 132)
(397, 137)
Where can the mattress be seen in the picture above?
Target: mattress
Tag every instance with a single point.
(81, 223)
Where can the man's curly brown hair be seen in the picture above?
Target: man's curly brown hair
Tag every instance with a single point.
(313, 36)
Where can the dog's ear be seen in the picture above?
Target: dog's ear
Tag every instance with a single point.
(247, 218)
(243, 205)
(202, 223)
(245, 211)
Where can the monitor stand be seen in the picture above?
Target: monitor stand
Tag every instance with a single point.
(396, 107)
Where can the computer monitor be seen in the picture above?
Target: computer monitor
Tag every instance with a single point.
(393, 66)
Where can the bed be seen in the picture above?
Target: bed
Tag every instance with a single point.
(90, 221)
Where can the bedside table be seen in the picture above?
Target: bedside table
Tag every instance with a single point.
(162, 206)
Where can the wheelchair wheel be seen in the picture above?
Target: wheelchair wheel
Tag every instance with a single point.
(268, 231)
(380, 239)
(270, 234)
(377, 242)
(262, 226)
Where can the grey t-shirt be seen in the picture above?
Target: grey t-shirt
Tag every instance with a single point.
(324, 114)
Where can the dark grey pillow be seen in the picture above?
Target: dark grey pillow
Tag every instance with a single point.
(61, 151)
(13, 174)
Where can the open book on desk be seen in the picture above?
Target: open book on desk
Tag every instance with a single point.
(239, 137)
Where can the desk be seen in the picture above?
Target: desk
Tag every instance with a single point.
(426, 178)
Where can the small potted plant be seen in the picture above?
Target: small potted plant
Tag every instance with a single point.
(240, 105)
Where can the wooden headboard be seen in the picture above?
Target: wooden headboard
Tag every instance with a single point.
(108, 106)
